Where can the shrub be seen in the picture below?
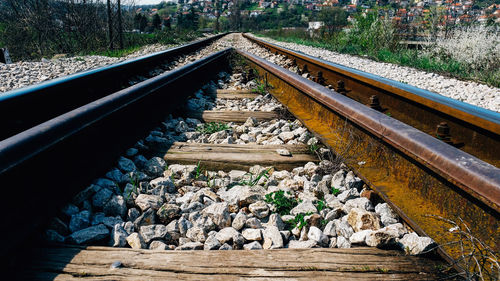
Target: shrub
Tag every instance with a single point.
(478, 47)
(371, 34)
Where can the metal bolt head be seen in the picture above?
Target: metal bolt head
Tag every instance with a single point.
(443, 132)
(375, 103)
(341, 88)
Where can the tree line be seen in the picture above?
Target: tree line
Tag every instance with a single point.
(35, 28)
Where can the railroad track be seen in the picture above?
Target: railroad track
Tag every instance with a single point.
(470, 128)
(22, 109)
(414, 172)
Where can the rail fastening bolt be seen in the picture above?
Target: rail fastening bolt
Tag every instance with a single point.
(341, 87)
(375, 103)
(443, 132)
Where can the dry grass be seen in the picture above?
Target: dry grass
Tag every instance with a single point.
(477, 260)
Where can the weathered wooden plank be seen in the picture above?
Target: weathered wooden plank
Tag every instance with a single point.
(229, 91)
(233, 116)
(238, 148)
(236, 94)
(237, 156)
(71, 262)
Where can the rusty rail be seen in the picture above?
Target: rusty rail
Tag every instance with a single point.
(43, 165)
(470, 128)
(417, 174)
(23, 108)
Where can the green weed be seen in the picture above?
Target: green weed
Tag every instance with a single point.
(134, 181)
(252, 181)
(335, 191)
(382, 270)
(299, 220)
(320, 205)
(198, 172)
(282, 203)
(261, 88)
(212, 127)
(313, 148)
(211, 182)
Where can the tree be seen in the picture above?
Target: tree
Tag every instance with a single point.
(235, 18)
(120, 26)
(156, 21)
(140, 22)
(333, 18)
(110, 24)
(137, 21)
(167, 23)
(189, 20)
(218, 11)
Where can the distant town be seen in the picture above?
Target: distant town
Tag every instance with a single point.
(414, 13)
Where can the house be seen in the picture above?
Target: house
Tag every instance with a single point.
(351, 8)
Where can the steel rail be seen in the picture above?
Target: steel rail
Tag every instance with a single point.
(24, 108)
(45, 166)
(414, 172)
(473, 129)
(417, 174)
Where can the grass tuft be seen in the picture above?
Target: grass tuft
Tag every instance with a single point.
(212, 127)
(281, 202)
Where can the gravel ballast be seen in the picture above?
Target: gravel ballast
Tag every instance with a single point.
(467, 91)
(23, 74)
(146, 203)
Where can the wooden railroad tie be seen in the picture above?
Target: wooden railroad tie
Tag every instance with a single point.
(236, 94)
(233, 116)
(228, 157)
(94, 263)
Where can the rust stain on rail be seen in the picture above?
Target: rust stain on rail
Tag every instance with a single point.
(413, 186)
(469, 132)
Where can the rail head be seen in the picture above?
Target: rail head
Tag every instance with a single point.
(88, 138)
(29, 143)
(474, 176)
(33, 89)
(24, 108)
(477, 116)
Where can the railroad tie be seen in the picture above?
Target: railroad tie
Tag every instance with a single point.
(236, 94)
(233, 116)
(96, 262)
(229, 157)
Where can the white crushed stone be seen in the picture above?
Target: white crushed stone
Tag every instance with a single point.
(467, 91)
(22, 74)
(25, 73)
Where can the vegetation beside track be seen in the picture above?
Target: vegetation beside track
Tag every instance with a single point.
(470, 53)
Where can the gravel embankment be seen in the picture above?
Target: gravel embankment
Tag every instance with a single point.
(22, 74)
(149, 204)
(25, 73)
(467, 91)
